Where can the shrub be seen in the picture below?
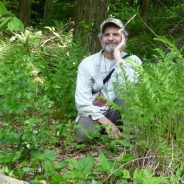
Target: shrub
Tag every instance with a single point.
(154, 106)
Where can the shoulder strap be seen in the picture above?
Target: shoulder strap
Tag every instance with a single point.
(125, 56)
(110, 73)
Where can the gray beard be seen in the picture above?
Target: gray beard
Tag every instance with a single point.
(107, 48)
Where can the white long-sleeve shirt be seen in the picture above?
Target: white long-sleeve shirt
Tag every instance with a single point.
(91, 72)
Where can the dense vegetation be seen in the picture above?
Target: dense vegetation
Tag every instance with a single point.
(38, 67)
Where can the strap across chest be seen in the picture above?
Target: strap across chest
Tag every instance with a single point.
(110, 73)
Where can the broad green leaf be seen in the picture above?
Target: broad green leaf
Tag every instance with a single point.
(144, 176)
(5, 157)
(126, 158)
(57, 179)
(138, 177)
(126, 174)
(49, 167)
(15, 25)
(17, 156)
(49, 154)
(5, 21)
(27, 169)
(61, 165)
(38, 155)
(85, 164)
(104, 163)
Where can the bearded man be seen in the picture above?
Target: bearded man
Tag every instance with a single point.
(96, 79)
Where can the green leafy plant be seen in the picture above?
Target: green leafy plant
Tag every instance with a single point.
(143, 177)
(153, 107)
(9, 20)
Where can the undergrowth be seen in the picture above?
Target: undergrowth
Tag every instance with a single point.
(37, 139)
(153, 111)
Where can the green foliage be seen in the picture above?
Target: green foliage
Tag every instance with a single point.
(38, 71)
(164, 18)
(37, 86)
(153, 107)
(56, 60)
(104, 163)
(61, 72)
(9, 21)
(144, 177)
(79, 170)
(23, 111)
(62, 10)
(116, 7)
(3, 9)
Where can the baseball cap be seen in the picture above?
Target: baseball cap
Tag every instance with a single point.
(115, 21)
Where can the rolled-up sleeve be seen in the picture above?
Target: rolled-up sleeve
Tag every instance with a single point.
(83, 95)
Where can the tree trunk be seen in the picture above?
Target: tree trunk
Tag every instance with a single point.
(146, 5)
(88, 16)
(25, 11)
(47, 10)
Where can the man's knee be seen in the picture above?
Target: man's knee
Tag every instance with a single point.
(86, 129)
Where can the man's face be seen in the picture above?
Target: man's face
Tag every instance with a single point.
(111, 37)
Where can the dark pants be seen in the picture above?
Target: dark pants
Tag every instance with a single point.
(88, 127)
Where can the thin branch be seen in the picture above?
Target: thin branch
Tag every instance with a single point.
(147, 25)
(130, 20)
(151, 30)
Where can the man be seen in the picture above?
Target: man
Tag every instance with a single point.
(94, 89)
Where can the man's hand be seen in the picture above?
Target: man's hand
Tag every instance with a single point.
(119, 48)
(100, 100)
(111, 129)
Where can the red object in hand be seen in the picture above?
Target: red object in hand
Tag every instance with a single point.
(99, 102)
